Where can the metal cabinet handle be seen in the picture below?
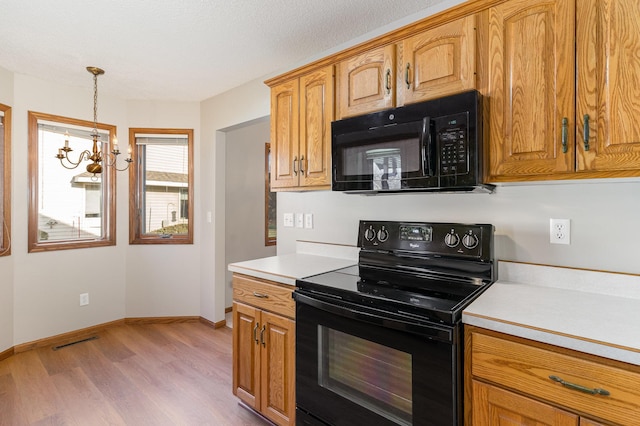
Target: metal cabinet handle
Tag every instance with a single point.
(406, 75)
(260, 295)
(255, 332)
(387, 84)
(585, 131)
(565, 134)
(295, 171)
(592, 391)
(302, 165)
(264, 327)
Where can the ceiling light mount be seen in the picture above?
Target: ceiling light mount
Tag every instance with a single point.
(95, 155)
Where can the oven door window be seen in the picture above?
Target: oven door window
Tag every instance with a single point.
(367, 373)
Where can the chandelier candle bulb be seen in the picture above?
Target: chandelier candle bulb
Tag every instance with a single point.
(66, 139)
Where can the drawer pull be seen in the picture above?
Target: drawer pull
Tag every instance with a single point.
(260, 295)
(580, 388)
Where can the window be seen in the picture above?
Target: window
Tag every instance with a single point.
(68, 208)
(5, 181)
(270, 224)
(161, 194)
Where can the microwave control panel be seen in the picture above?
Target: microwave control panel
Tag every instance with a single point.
(453, 144)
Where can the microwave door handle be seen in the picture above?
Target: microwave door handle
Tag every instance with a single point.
(427, 151)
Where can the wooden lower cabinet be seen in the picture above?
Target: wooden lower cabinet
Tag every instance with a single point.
(514, 381)
(264, 357)
(498, 407)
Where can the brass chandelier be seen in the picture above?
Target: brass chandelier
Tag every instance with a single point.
(96, 156)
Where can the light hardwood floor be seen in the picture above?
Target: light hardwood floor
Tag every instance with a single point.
(156, 374)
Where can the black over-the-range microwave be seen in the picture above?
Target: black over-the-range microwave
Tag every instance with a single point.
(434, 145)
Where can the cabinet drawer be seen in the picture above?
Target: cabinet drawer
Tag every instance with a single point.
(527, 369)
(264, 295)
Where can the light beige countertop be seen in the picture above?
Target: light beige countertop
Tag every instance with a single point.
(310, 259)
(588, 311)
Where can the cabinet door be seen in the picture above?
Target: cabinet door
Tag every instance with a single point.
(365, 82)
(438, 62)
(284, 135)
(278, 369)
(246, 354)
(531, 88)
(316, 114)
(608, 46)
(498, 407)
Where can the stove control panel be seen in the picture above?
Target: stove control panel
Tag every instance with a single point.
(444, 239)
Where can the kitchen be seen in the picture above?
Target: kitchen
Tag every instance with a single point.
(538, 198)
(602, 214)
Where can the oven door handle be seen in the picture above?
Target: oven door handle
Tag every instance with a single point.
(349, 310)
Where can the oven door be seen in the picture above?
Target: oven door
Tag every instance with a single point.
(356, 366)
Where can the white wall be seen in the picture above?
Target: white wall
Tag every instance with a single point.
(6, 263)
(47, 285)
(218, 114)
(603, 217)
(245, 175)
(164, 280)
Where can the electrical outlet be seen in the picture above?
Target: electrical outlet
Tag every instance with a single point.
(299, 220)
(287, 220)
(84, 299)
(560, 231)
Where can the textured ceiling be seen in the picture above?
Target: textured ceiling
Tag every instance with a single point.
(187, 50)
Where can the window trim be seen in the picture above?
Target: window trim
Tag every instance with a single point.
(5, 221)
(109, 212)
(135, 190)
(268, 241)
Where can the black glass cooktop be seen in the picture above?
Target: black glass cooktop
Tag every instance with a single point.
(434, 298)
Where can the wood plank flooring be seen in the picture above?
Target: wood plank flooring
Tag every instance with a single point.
(154, 374)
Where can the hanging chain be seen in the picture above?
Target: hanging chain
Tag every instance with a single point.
(95, 103)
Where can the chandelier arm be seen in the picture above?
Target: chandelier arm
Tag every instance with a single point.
(111, 160)
(84, 155)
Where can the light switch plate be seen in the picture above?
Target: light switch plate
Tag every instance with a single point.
(287, 220)
(308, 220)
(299, 220)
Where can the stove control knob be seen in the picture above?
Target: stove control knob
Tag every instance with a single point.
(470, 241)
(451, 239)
(369, 234)
(383, 235)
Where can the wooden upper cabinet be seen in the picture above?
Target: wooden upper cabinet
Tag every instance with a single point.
(284, 135)
(316, 115)
(301, 114)
(608, 67)
(438, 62)
(530, 87)
(365, 82)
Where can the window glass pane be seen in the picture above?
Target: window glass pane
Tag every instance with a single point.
(68, 207)
(160, 211)
(69, 200)
(165, 184)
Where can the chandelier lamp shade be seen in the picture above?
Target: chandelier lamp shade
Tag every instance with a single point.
(95, 156)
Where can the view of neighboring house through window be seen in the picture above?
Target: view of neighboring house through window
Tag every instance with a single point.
(5, 183)
(68, 207)
(270, 224)
(161, 202)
